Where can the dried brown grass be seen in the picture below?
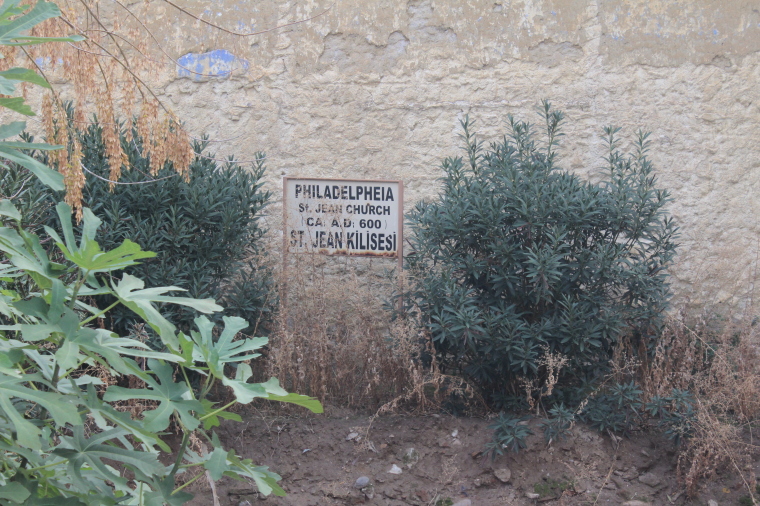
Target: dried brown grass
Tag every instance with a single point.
(337, 340)
(718, 361)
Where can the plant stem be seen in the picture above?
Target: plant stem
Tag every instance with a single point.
(100, 313)
(187, 381)
(181, 452)
(187, 483)
(208, 415)
(81, 277)
(85, 359)
(47, 465)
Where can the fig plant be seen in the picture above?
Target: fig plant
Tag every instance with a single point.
(63, 439)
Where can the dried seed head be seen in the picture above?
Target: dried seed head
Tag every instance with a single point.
(75, 180)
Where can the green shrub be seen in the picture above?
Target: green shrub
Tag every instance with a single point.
(517, 260)
(616, 409)
(205, 230)
(60, 432)
(509, 431)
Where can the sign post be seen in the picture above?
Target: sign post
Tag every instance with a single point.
(343, 217)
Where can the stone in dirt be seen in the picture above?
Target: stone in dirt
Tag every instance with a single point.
(395, 469)
(650, 479)
(463, 502)
(636, 503)
(361, 482)
(352, 436)
(712, 502)
(503, 474)
(532, 495)
(581, 486)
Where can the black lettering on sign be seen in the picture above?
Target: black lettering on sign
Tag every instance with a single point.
(296, 238)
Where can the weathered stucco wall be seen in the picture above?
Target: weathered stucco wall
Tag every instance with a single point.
(375, 89)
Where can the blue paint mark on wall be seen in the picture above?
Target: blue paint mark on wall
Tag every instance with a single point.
(216, 63)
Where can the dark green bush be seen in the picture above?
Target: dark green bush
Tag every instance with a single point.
(205, 230)
(509, 431)
(517, 259)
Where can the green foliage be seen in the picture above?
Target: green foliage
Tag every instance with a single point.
(557, 426)
(617, 409)
(517, 259)
(58, 437)
(60, 434)
(508, 432)
(16, 19)
(552, 488)
(29, 195)
(205, 230)
(674, 414)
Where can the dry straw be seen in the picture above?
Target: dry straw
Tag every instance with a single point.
(718, 361)
(338, 341)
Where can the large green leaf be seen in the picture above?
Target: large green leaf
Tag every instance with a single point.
(44, 173)
(26, 253)
(11, 129)
(15, 493)
(265, 480)
(25, 75)
(172, 397)
(224, 350)
(105, 415)
(62, 408)
(17, 104)
(131, 292)
(11, 31)
(310, 403)
(87, 254)
(8, 209)
(245, 392)
(87, 453)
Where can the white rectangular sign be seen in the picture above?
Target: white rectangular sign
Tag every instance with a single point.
(343, 217)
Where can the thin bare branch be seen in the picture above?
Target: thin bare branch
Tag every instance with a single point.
(121, 183)
(160, 46)
(242, 34)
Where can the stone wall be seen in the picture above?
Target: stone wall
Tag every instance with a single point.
(375, 89)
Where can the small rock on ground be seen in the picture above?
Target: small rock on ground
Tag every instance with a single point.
(712, 502)
(395, 469)
(636, 503)
(463, 502)
(650, 479)
(361, 482)
(503, 474)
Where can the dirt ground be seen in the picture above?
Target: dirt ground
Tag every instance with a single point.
(338, 459)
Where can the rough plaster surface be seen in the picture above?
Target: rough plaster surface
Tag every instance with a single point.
(375, 89)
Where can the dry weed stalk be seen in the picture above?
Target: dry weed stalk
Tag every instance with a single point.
(719, 363)
(337, 342)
